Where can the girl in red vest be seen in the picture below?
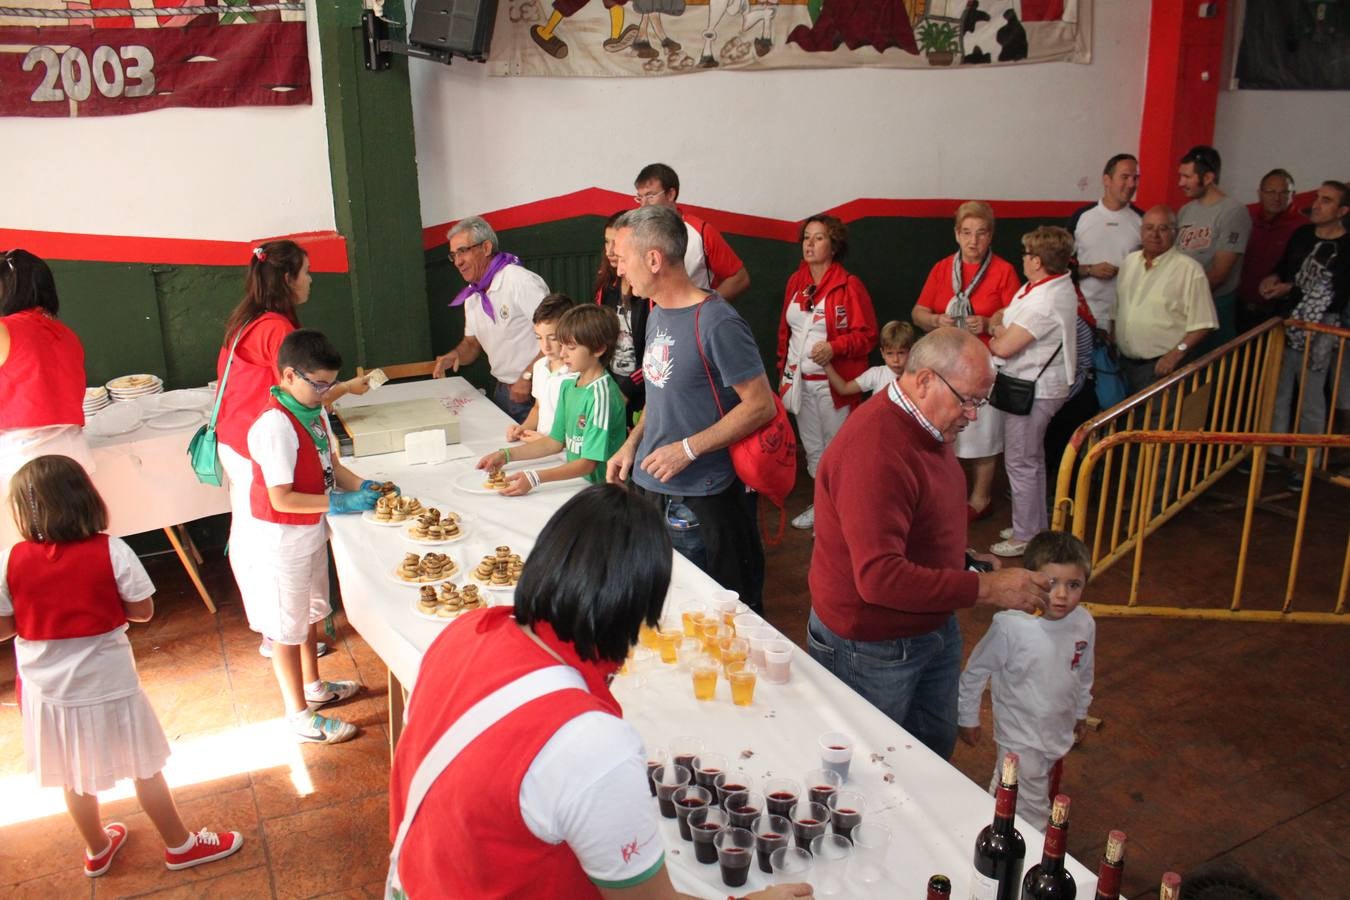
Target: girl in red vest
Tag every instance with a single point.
(68, 590)
(41, 374)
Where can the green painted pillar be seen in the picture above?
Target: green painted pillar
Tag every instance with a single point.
(375, 201)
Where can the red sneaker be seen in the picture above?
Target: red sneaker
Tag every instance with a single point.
(95, 866)
(207, 846)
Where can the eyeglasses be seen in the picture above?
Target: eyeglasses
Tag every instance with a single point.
(647, 197)
(462, 252)
(323, 387)
(1278, 193)
(970, 404)
(981, 233)
(1157, 229)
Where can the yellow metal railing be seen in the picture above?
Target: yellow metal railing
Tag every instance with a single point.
(1134, 467)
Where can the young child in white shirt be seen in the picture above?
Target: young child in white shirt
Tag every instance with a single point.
(896, 339)
(548, 373)
(1042, 669)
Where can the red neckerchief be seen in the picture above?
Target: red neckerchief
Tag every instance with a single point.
(1032, 285)
(596, 673)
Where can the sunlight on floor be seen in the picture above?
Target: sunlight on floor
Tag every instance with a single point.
(249, 748)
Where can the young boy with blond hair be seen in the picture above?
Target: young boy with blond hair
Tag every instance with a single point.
(1042, 669)
(896, 339)
(548, 372)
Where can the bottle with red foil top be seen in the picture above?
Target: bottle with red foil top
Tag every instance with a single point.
(1112, 867)
(939, 887)
(1049, 880)
(1171, 886)
(1000, 850)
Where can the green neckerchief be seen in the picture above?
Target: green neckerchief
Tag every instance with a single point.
(307, 415)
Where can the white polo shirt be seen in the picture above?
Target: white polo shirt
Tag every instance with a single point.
(1102, 235)
(508, 337)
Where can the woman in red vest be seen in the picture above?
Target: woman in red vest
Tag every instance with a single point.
(41, 375)
(277, 284)
(827, 319)
(548, 785)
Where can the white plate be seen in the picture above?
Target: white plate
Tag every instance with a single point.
(134, 382)
(393, 574)
(115, 420)
(472, 483)
(180, 418)
(434, 618)
(196, 399)
(496, 588)
(407, 533)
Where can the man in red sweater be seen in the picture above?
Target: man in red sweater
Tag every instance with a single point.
(889, 566)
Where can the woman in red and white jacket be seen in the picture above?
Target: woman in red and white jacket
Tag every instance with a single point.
(41, 375)
(827, 318)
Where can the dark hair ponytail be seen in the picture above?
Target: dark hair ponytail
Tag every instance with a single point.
(266, 288)
(26, 282)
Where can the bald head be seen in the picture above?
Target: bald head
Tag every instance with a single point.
(950, 351)
(947, 369)
(1158, 231)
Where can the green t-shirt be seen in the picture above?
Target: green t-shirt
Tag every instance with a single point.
(590, 422)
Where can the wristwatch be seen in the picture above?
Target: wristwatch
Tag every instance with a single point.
(1182, 347)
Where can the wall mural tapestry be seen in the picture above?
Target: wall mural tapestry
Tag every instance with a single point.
(104, 58)
(670, 37)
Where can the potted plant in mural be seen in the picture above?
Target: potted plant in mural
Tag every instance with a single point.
(938, 41)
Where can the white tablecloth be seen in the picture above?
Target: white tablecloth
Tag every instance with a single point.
(145, 477)
(934, 812)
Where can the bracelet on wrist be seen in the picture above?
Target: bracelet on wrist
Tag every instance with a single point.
(506, 452)
(688, 451)
(532, 476)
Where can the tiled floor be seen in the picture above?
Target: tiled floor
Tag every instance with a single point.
(1223, 748)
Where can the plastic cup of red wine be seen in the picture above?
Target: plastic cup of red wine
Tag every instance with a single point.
(821, 785)
(830, 853)
(686, 800)
(704, 825)
(683, 749)
(846, 812)
(836, 752)
(744, 807)
(735, 852)
(655, 759)
(781, 794)
(729, 783)
(808, 821)
(669, 779)
(707, 766)
(790, 864)
(771, 833)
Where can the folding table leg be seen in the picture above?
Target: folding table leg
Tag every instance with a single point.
(190, 543)
(397, 698)
(191, 565)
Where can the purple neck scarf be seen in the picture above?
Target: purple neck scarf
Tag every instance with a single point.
(480, 287)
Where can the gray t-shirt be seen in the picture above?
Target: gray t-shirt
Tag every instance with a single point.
(1204, 230)
(679, 395)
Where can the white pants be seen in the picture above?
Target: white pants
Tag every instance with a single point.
(817, 421)
(1024, 458)
(1033, 783)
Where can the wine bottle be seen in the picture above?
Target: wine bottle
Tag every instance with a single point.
(999, 848)
(1048, 879)
(1111, 868)
(1171, 886)
(939, 887)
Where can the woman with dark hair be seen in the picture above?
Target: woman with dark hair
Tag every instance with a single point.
(516, 768)
(277, 284)
(613, 290)
(42, 376)
(827, 319)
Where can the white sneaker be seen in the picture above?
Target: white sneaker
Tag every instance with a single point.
(1006, 534)
(1009, 548)
(806, 520)
(331, 692)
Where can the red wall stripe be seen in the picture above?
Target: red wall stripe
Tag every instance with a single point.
(327, 249)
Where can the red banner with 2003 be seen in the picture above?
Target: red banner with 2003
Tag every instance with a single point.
(71, 72)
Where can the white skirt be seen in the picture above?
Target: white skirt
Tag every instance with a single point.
(90, 748)
(983, 437)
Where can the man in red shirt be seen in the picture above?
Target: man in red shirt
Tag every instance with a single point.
(709, 260)
(1274, 220)
(889, 566)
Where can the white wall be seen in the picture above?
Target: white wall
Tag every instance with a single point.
(785, 143)
(1305, 132)
(226, 174)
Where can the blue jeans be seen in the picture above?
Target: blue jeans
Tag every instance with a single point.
(912, 680)
(501, 395)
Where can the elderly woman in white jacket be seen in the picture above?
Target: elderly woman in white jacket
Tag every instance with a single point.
(1036, 340)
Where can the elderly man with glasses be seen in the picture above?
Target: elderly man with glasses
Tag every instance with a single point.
(890, 565)
(1274, 221)
(499, 300)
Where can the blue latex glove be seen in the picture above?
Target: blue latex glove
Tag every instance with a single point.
(351, 501)
(375, 486)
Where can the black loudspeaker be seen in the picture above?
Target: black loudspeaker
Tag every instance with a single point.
(461, 27)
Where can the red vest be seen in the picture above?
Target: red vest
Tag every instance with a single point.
(42, 381)
(469, 839)
(308, 477)
(251, 377)
(64, 590)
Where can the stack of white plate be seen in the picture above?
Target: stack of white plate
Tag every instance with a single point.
(95, 398)
(129, 387)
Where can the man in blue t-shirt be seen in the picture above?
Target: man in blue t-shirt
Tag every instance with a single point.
(706, 389)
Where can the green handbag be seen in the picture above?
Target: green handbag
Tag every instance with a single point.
(202, 448)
